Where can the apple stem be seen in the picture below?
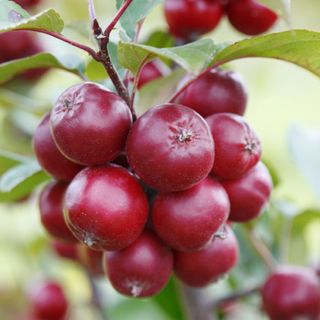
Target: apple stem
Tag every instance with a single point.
(195, 302)
(261, 249)
(233, 297)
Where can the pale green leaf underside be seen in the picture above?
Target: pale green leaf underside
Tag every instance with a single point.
(13, 18)
(301, 47)
(10, 69)
(192, 57)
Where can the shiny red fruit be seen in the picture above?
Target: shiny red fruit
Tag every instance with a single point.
(170, 148)
(18, 45)
(106, 208)
(250, 16)
(48, 301)
(215, 92)
(292, 292)
(187, 220)
(90, 124)
(151, 71)
(26, 4)
(188, 19)
(236, 143)
(142, 269)
(49, 156)
(91, 260)
(200, 268)
(249, 194)
(65, 250)
(51, 211)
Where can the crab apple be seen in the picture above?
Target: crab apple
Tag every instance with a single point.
(170, 148)
(105, 207)
(48, 301)
(237, 147)
(91, 260)
(151, 71)
(121, 160)
(21, 44)
(200, 268)
(49, 156)
(51, 211)
(187, 220)
(215, 92)
(292, 292)
(249, 194)
(90, 124)
(188, 19)
(65, 250)
(142, 269)
(250, 17)
(27, 3)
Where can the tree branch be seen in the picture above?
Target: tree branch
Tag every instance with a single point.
(232, 297)
(96, 29)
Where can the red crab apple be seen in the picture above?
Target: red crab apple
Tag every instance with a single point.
(200, 268)
(187, 220)
(215, 92)
(90, 124)
(49, 156)
(188, 19)
(151, 71)
(65, 250)
(142, 269)
(105, 207)
(18, 45)
(28, 3)
(48, 301)
(51, 211)
(249, 194)
(250, 16)
(236, 144)
(292, 292)
(170, 148)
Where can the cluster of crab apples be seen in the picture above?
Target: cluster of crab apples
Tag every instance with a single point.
(188, 19)
(155, 195)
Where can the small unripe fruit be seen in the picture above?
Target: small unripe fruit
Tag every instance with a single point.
(151, 71)
(48, 301)
(142, 269)
(187, 220)
(90, 124)
(105, 207)
(250, 17)
(292, 292)
(170, 148)
(215, 92)
(49, 156)
(200, 268)
(91, 260)
(188, 19)
(51, 211)
(249, 194)
(236, 144)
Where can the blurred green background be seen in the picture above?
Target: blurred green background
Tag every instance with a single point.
(283, 106)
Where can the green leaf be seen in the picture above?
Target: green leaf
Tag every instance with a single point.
(113, 51)
(12, 68)
(169, 301)
(18, 174)
(9, 160)
(192, 57)
(160, 39)
(136, 11)
(13, 17)
(304, 148)
(300, 221)
(158, 91)
(300, 47)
